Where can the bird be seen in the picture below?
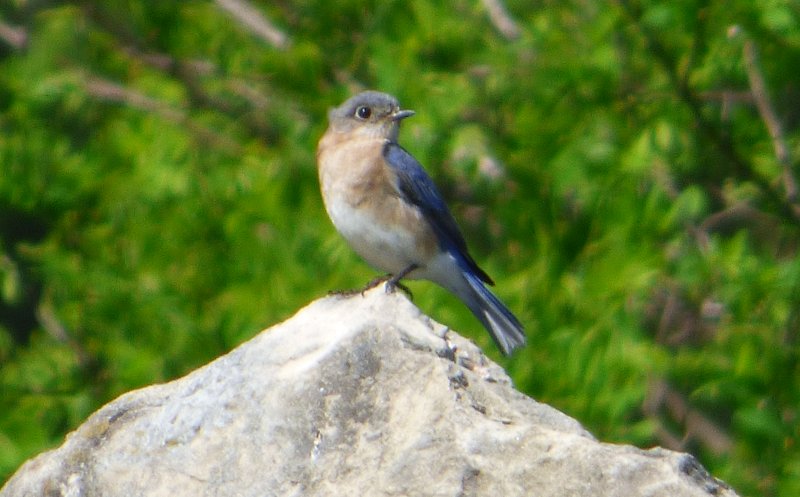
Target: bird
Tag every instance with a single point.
(389, 210)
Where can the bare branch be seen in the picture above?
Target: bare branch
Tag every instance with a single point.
(501, 20)
(248, 15)
(696, 425)
(166, 62)
(14, 36)
(47, 318)
(735, 164)
(758, 87)
(114, 92)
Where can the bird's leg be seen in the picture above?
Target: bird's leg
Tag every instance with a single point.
(369, 286)
(344, 293)
(394, 281)
(390, 285)
(375, 282)
(390, 288)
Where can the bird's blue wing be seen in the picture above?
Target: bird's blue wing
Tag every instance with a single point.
(417, 188)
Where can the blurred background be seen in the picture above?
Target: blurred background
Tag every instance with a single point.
(626, 170)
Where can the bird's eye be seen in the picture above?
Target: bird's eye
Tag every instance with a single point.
(363, 112)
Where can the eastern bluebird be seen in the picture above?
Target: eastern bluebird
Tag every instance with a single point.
(389, 210)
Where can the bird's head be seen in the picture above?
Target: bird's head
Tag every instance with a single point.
(369, 114)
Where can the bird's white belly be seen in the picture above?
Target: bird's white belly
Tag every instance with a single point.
(388, 248)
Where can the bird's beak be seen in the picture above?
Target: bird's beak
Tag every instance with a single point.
(401, 114)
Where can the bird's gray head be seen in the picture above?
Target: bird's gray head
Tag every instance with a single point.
(371, 114)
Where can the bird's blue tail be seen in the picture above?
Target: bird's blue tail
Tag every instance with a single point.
(504, 327)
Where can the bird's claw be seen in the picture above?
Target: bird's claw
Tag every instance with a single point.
(392, 283)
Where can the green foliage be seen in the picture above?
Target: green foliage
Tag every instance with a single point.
(610, 167)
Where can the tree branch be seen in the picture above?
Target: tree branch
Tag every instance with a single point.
(110, 91)
(737, 166)
(501, 20)
(15, 37)
(758, 87)
(696, 425)
(251, 18)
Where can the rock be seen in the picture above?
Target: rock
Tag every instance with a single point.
(352, 396)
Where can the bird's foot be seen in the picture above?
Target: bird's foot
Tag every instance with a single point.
(344, 293)
(375, 282)
(392, 285)
(392, 282)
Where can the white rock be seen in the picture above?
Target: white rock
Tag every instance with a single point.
(353, 396)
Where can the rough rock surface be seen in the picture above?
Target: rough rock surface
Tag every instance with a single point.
(352, 396)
